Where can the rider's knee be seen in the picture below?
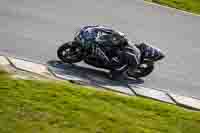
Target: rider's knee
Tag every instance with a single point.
(133, 56)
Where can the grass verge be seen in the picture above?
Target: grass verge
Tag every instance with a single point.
(28, 106)
(186, 5)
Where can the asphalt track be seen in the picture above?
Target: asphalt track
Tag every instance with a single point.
(34, 29)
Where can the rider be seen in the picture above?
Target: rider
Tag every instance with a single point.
(105, 47)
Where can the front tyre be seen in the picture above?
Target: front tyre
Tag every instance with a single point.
(70, 52)
(142, 71)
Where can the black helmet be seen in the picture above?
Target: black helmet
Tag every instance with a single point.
(150, 52)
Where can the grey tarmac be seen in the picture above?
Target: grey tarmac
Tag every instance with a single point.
(34, 30)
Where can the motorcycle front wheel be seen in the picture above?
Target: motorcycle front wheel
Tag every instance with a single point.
(70, 52)
(142, 71)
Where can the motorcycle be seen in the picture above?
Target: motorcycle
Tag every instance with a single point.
(71, 52)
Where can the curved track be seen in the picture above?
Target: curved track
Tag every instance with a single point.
(35, 29)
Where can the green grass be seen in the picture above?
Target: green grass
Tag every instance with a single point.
(46, 107)
(187, 5)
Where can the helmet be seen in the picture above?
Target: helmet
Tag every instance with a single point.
(150, 52)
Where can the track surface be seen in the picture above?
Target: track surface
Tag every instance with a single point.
(34, 29)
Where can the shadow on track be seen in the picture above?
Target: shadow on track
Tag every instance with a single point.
(88, 75)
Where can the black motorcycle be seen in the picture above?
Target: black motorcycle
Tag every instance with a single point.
(72, 52)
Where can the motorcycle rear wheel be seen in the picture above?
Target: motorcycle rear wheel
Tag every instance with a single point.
(70, 52)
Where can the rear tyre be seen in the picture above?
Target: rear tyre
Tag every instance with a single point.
(70, 52)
